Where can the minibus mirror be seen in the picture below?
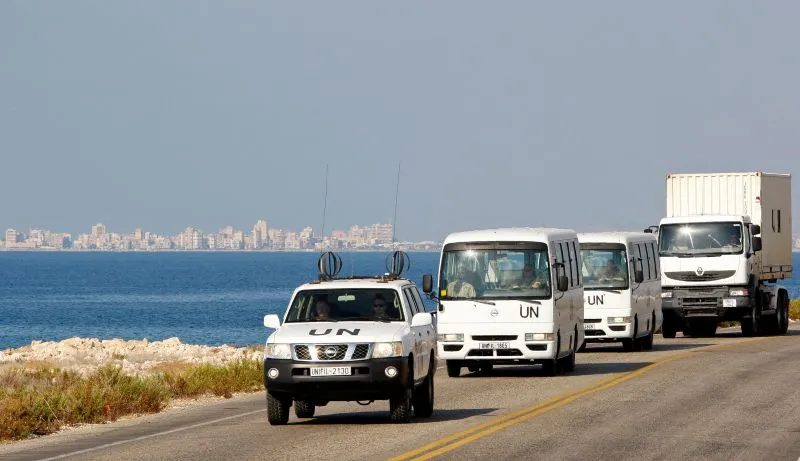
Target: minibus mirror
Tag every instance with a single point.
(638, 276)
(427, 283)
(563, 283)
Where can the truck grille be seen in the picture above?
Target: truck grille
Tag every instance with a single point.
(331, 352)
(688, 276)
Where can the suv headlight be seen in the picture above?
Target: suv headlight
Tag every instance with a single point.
(385, 350)
(538, 336)
(617, 320)
(451, 337)
(278, 351)
(666, 294)
(739, 292)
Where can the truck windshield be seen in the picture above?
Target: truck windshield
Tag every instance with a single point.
(342, 304)
(695, 239)
(505, 270)
(604, 268)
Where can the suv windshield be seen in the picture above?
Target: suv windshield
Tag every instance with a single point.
(604, 268)
(505, 270)
(341, 304)
(714, 238)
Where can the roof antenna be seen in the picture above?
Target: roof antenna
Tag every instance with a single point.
(396, 194)
(324, 208)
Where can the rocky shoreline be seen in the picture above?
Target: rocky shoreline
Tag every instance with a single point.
(134, 357)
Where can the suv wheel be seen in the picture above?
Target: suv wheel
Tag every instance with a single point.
(453, 369)
(423, 398)
(400, 406)
(304, 409)
(277, 409)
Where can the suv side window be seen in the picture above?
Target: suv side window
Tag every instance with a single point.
(412, 303)
(422, 307)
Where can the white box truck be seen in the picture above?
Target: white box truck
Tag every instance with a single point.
(725, 241)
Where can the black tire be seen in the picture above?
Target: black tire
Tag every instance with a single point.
(304, 409)
(668, 328)
(647, 343)
(583, 347)
(632, 344)
(453, 369)
(400, 407)
(751, 325)
(569, 361)
(551, 367)
(783, 313)
(277, 409)
(423, 398)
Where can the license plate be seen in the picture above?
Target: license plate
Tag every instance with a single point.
(589, 326)
(495, 345)
(727, 302)
(330, 371)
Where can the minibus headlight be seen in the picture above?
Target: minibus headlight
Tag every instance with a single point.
(739, 292)
(451, 337)
(618, 320)
(666, 294)
(538, 336)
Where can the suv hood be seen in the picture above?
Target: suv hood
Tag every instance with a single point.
(338, 332)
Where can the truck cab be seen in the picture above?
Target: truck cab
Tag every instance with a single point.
(362, 338)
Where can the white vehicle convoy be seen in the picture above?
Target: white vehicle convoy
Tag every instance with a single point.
(621, 288)
(724, 243)
(510, 296)
(352, 339)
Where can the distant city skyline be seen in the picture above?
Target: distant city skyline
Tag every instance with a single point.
(259, 237)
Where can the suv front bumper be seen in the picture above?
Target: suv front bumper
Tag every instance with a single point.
(368, 379)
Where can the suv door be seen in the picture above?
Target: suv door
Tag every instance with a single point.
(421, 357)
(429, 345)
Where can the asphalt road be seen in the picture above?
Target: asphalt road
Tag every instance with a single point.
(723, 398)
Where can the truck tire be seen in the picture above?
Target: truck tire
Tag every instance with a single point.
(304, 409)
(647, 344)
(277, 409)
(453, 368)
(632, 344)
(423, 397)
(551, 366)
(668, 329)
(783, 313)
(752, 323)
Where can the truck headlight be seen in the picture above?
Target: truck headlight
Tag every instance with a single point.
(538, 336)
(739, 292)
(385, 350)
(666, 294)
(618, 320)
(278, 351)
(451, 337)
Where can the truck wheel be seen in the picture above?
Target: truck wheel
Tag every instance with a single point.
(304, 409)
(668, 329)
(400, 406)
(569, 361)
(423, 398)
(453, 369)
(783, 313)
(277, 409)
(751, 323)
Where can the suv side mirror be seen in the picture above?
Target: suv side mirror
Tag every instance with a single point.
(756, 244)
(421, 319)
(562, 283)
(427, 283)
(272, 321)
(755, 229)
(638, 276)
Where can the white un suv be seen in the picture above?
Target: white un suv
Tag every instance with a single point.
(352, 339)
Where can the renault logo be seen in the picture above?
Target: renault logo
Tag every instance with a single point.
(330, 351)
(699, 271)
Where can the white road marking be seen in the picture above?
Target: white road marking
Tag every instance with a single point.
(150, 436)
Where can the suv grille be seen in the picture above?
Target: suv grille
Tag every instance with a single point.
(331, 352)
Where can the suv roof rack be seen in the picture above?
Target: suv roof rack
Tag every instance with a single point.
(330, 264)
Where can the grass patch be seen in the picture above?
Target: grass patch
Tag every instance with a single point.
(41, 401)
(794, 309)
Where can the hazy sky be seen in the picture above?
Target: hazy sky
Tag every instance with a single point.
(168, 114)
